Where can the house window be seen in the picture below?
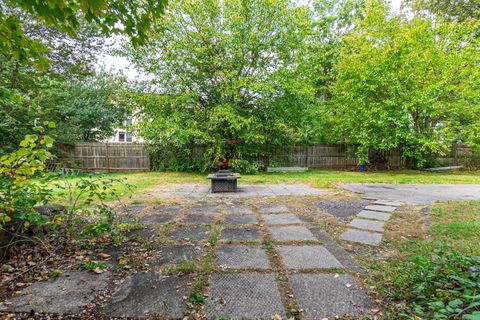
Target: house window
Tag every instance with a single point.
(129, 137)
(121, 136)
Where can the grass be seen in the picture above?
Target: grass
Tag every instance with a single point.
(318, 178)
(434, 271)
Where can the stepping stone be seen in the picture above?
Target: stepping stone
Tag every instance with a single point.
(281, 219)
(241, 234)
(151, 294)
(242, 257)
(190, 233)
(308, 257)
(243, 296)
(204, 209)
(240, 209)
(199, 219)
(374, 215)
(328, 295)
(132, 208)
(69, 293)
(389, 203)
(381, 208)
(158, 218)
(291, 233)
(175, 253)
(362, 237)
(367, 224)
(167, 209)
(275, 208)
(241, 219)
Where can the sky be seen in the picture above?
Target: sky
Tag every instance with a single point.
(120, 64)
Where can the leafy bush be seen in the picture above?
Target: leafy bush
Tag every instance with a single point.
(437, 284)
(23, 183)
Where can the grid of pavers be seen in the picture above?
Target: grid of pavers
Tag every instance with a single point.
(368, 225)
(263, 260)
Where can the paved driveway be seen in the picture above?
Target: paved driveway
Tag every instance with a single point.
(417, 193)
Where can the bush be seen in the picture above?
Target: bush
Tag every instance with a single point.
(435, 284)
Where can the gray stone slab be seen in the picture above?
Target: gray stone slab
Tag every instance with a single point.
(241, 219)
(241, 234)
(388, 203)
(175, 253)
(190, 233)
(167, 209)
(199, 219)
(381, 208)
(417, 193)
(158, 218)
(69, 293)
(148, 294)
(288, 218)
(367, 225)
(308, 257)
(364, 237)
(238, 209)
(329, 295)
(272, 208)
(342, 209)
(384, 216)
(291, 233)
(242, 257)
(204, 209)
(240, 296)
(134, 209)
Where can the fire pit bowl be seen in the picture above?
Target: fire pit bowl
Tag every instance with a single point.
(224, 181)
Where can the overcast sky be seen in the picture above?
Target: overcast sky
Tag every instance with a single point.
(122, 64)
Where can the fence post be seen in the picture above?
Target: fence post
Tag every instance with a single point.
(107, 158)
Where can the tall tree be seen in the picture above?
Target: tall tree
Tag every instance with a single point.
(224, 71)
(407, 83)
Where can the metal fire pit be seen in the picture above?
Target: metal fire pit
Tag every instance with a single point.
(224, 181)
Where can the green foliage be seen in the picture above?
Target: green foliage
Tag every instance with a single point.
(23, 183)
(227, 71)
(406, 83)
(436, 284)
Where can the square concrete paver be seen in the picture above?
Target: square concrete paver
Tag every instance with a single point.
(240, 296)
(151, 294)
(389, 203)
(175, 253)
(272, 208)
(367, 224)
(242, 257)
(190, 233)
(308, 257)
(384, 216)
(287, 218)
(329, 295)
(238, 209)
(364, 237)
(291, 233)
(69, 293)
(199, 219)
(158, 218)
(204, 209)
(167, 209)
(376, 207)
(241, 234)
(241, 219)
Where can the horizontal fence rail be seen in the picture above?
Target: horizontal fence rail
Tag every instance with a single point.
(123, 157)
(109, 157)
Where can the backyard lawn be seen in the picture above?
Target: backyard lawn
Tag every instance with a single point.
(317, 178)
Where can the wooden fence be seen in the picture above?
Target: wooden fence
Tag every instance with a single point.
(109, 157)
(112, 157)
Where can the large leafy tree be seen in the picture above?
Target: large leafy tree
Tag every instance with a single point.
(224, 71)
(407, 83)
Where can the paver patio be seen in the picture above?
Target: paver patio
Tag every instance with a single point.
(243, 245)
